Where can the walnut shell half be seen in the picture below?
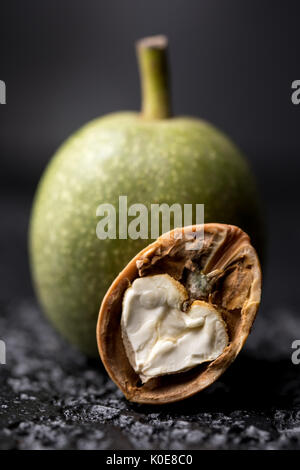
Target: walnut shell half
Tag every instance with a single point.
(225, 271)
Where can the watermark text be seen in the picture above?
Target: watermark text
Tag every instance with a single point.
(2, 92)
(2, 352)
(295, 97)
(138, 222)
(296, 354)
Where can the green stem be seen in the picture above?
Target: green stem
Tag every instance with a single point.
(153, 65)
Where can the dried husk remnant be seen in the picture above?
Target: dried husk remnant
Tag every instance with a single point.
(225, 271)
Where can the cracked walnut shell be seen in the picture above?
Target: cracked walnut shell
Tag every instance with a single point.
(223, 272)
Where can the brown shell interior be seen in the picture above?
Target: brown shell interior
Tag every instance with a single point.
(228, 257)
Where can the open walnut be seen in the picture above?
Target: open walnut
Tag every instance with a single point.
(175, 318)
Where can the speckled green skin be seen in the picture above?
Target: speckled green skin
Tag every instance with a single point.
(176, 160)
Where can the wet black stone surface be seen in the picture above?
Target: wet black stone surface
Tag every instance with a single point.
(52, 397)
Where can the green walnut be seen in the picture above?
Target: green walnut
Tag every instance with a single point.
(152, 158)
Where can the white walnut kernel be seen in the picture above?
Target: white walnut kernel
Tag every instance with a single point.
(159, 337)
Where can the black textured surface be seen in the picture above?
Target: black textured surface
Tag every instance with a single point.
(52, 397)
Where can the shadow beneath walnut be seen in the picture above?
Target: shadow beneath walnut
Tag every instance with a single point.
(249, 384)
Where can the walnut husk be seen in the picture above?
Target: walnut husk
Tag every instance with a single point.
(231, 268)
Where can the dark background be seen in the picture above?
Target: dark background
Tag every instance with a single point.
(233, 62)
